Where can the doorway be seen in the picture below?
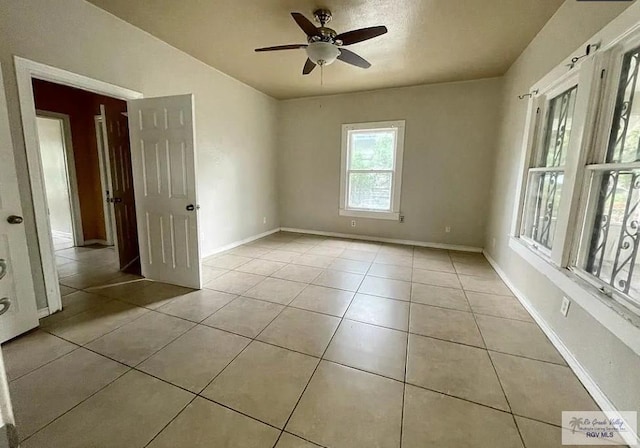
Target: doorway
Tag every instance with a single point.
(58, 170)
(162, 160)
(85, 161)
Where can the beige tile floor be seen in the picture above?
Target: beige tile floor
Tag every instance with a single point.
(295, 341)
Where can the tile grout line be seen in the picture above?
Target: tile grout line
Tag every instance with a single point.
(342, 318)
(170, 420)
(50, 361)
(316, 368)
(410, 301)
(199, 394)
(406, 356)
(408, 333)
(147, 310)
(306, 354)
(513, 419)
(129, 369)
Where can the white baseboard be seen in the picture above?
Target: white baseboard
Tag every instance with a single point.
(240, 242)
(43, 312)
(343, 235)
(587, 381)
(385, 240)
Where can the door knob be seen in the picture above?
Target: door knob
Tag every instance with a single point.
(192, 207)
(5, 303)
(3, 268)
(13, 219)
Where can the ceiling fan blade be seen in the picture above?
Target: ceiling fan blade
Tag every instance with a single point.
(308, 67)
(282, 47)
(355, 36)
(306, 25)
(351, 58)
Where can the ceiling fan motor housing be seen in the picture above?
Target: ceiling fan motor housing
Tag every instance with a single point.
(322, 16)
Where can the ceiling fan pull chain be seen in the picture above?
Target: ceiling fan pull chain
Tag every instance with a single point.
(322, 75)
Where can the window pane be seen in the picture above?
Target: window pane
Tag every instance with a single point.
(558, 129)
(625, 132)
(370, 191)
(541, 208)
(372, 150)
(613, 248)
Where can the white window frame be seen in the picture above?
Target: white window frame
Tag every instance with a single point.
(396, 183)
(611, 62)
(584, 74)
(561, 268)
(540, 118)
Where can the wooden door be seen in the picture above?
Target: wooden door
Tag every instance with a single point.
(122, 197)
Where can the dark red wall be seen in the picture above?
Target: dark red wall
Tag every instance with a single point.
(81, 107)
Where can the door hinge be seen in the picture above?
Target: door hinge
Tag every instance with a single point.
(602, 73)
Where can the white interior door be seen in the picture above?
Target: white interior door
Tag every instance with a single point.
(18, 311)
(8, 433)
(164, 177)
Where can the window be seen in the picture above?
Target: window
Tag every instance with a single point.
(579, 200)
(576, 218)
(547, 169)
(371, 173)
(612, 222)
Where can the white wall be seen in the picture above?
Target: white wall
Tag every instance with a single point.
(449, 148)
(610, 363)
(54, 171)
(235, 124)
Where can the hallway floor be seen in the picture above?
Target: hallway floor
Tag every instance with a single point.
(296, 341)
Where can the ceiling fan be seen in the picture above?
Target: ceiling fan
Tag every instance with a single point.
(325, 45)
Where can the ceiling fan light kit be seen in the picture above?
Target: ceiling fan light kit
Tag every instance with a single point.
(324, 46)
(322, 53)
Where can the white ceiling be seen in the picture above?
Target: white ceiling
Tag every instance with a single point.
(428, 41)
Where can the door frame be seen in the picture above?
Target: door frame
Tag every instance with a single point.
(105, 183)
(26, 71)
(72, 180)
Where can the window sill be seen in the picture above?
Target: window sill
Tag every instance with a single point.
(389, 216)
(620, 321)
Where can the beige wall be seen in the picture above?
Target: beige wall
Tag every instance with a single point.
(609, 362)
(235, 124)
(448, 159)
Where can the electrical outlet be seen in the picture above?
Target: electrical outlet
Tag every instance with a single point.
(564, 308)
(447, 229)
(353, 223)
(264, 220)
(401, 218)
